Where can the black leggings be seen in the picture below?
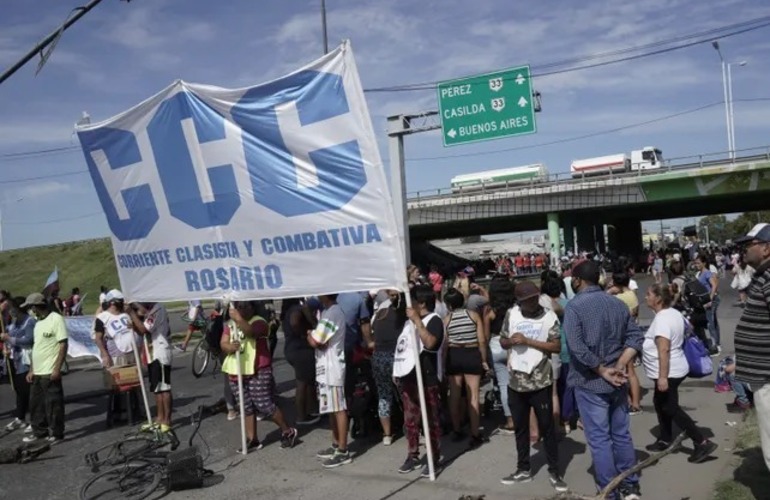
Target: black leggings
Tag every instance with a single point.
(22, 389)
(668, 410)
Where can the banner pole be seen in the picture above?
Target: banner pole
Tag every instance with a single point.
(421, 392)
(8, 359)
(244, 450)
(138, 362)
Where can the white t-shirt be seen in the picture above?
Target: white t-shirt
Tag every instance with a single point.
(156, 323)
(330, 362)
(117, 332)
(668, 323)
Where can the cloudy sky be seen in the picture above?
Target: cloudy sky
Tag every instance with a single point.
(121, 53)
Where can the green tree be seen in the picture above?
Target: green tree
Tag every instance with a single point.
(717, 228)
(744, 222)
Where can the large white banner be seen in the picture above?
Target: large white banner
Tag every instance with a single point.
(271, 191)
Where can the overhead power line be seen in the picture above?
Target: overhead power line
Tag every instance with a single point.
(703, 37)
(539, 69)
(63, 219)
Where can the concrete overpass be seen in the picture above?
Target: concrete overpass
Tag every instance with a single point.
(583, 206)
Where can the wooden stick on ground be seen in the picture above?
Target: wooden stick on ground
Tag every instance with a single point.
(651, 460)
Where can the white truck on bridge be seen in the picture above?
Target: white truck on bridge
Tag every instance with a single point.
(503, 177)
(648, 158)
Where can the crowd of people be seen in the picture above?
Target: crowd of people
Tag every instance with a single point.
(563, 353)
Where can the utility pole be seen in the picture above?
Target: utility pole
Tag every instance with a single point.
(76, 14)
(323, 26)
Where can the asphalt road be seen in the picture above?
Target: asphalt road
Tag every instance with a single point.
(296, 473)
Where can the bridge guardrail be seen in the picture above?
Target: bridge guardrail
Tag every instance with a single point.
(564, 178)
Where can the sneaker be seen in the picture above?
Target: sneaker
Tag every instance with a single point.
(504, 429)
(328, 452)
(634, 411)
(657, 446)
(253, 445)
(738, 407)
(702, 452)
(410, 464)
(149, 427)
(724, 387)
(28, 429)
(180, 348)
(557, 482)
(310, 421)
(339, 458)
(387, 440)
(719, 349)
(31, 439)
(426, 470)
(14, 424)
(631, 492)
(288, 439)
(518, 477)
(53, 440)
(164, 428)
(232, 415)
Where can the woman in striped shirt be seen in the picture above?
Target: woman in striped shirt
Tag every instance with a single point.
(466, 362)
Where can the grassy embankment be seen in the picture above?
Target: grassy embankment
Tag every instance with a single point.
(750, 479)
(85, 264)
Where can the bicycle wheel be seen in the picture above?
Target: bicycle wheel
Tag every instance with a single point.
(135, 480)
(200, 357)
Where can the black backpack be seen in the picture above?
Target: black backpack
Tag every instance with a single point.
(696, 294)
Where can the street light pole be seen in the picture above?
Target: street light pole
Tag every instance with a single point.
(323, 26)
(730, 97)
(730, 148)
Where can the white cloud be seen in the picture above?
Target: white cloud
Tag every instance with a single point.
(41, 189)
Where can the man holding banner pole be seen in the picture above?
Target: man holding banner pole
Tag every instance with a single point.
(118, 342)
(151, 320)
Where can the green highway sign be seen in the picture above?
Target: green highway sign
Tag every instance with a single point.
(484, 107)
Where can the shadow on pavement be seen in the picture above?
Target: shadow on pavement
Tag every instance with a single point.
(752, 472)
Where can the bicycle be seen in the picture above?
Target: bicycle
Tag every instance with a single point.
(203, 353)
(138, 465)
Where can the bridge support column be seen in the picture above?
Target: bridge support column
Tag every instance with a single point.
(601, 245)
(569, 236)
(585, 237)
(554, 237)
(627, 237)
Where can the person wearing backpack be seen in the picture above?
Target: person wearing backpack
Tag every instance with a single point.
(710, 280)
(666, 365)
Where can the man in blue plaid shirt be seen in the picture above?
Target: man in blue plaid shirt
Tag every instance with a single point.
(602, 339)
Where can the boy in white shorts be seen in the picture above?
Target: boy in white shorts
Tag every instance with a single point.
(328, 339)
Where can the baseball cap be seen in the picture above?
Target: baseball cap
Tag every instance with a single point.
(759, 232)
(34, 299)
(526, 290)
(113, 296)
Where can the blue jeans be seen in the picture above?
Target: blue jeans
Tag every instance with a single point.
(740, 389)
(711, 317)
(500, 365)
(606, 426)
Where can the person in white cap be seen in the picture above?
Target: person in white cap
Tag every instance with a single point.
(46, 400)
(752, 335)
(113, 332)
